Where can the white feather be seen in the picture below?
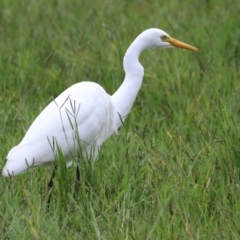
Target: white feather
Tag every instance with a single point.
(84, 115)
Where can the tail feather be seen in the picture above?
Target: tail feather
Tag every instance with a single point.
(19, 159)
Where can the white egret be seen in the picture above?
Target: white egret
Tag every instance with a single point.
(85, 115)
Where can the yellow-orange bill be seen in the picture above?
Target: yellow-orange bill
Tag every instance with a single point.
(180, 44)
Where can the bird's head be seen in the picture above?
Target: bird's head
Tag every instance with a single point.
(158, 38)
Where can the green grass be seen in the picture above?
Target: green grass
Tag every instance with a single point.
(173, 171)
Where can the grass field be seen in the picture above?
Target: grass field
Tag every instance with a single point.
(173, 170)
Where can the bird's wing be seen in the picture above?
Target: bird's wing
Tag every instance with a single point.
(84, 111)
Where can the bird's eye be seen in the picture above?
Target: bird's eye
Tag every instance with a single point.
(164, 38)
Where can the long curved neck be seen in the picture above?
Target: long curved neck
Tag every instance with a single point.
(125, 96)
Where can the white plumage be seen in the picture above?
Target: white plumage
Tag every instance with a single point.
(85, 114)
